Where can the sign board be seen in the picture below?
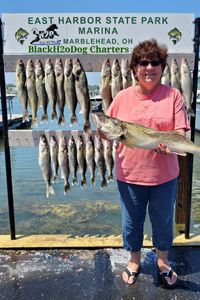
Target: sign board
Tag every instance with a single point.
(94, 33)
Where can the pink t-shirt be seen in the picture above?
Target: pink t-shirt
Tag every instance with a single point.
(163, 110)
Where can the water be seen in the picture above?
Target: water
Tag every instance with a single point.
(82, 211)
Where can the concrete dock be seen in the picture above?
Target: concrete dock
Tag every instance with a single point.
(93, 274)
(89, 267)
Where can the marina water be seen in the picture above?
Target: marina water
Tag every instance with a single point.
(82, 211)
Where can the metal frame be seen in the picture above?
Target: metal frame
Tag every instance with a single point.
(90, 64)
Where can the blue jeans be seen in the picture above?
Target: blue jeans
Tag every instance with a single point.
(160, 200)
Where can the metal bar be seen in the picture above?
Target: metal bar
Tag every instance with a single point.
(6, 142)
(90, 63)
(195, 81)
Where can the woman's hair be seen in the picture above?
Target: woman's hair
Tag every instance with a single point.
(150, 50)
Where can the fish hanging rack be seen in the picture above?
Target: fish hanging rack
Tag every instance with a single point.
(90, 63)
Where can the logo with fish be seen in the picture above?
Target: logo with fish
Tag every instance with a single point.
(39, 36)
(21, 35)
(175, 35)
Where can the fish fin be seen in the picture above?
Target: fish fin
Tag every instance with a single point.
(179, 153)
(49, 190)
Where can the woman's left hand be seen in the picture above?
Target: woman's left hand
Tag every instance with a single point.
(163, 149)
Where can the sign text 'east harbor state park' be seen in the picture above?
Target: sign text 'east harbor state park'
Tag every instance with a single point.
(94, 33)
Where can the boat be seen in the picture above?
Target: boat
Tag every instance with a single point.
(15, 121)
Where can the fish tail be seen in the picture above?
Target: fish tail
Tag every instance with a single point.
(54, 115)
(49, 190)
(34, 121)
(110, 177)
(92, 181)
(55, 178)
(25, 117)
(73, 120)
(87, 128)
(83, 181)
(74, 180)
(44, 117)
(61, 120)
(103, 182)
(66, 188)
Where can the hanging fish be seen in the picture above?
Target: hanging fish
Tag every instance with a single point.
(82, 93)
(44, 161)
(59, 75)
(166, 75)
(108, 156)
(81, 159)
(54, 157)
(105, 84)
(21, 88)
(126, 73)
(40, 89)
(99, 159)
(31, 89)
(50, 86)
(175, 74)
(116, 84)
(186, 84)
(64, 162)
(73, 163)
(69, 89)
(89, 155)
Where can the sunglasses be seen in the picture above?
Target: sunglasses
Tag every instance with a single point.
(145, 63)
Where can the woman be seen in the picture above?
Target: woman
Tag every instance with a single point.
(148, 177)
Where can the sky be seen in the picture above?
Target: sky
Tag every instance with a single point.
(102, 6)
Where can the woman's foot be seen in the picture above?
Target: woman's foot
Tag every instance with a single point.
(166, 274)
(130, 274)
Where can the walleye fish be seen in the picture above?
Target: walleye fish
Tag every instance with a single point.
(40, 89)
(64, 162)
(166, 75)
(105, 84)
(69, 89)
(116, 84)
(175, 74)
(89, 155)
(73, 163)
(108, 155)
(59, 75)
(99, 159)
(21, 88)
(32, 94)
(186, 84)
(82, 92)
(50, 86)
(134, 135)
(81, 159)
(126, 74)
(54, 157)
(44, 161)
